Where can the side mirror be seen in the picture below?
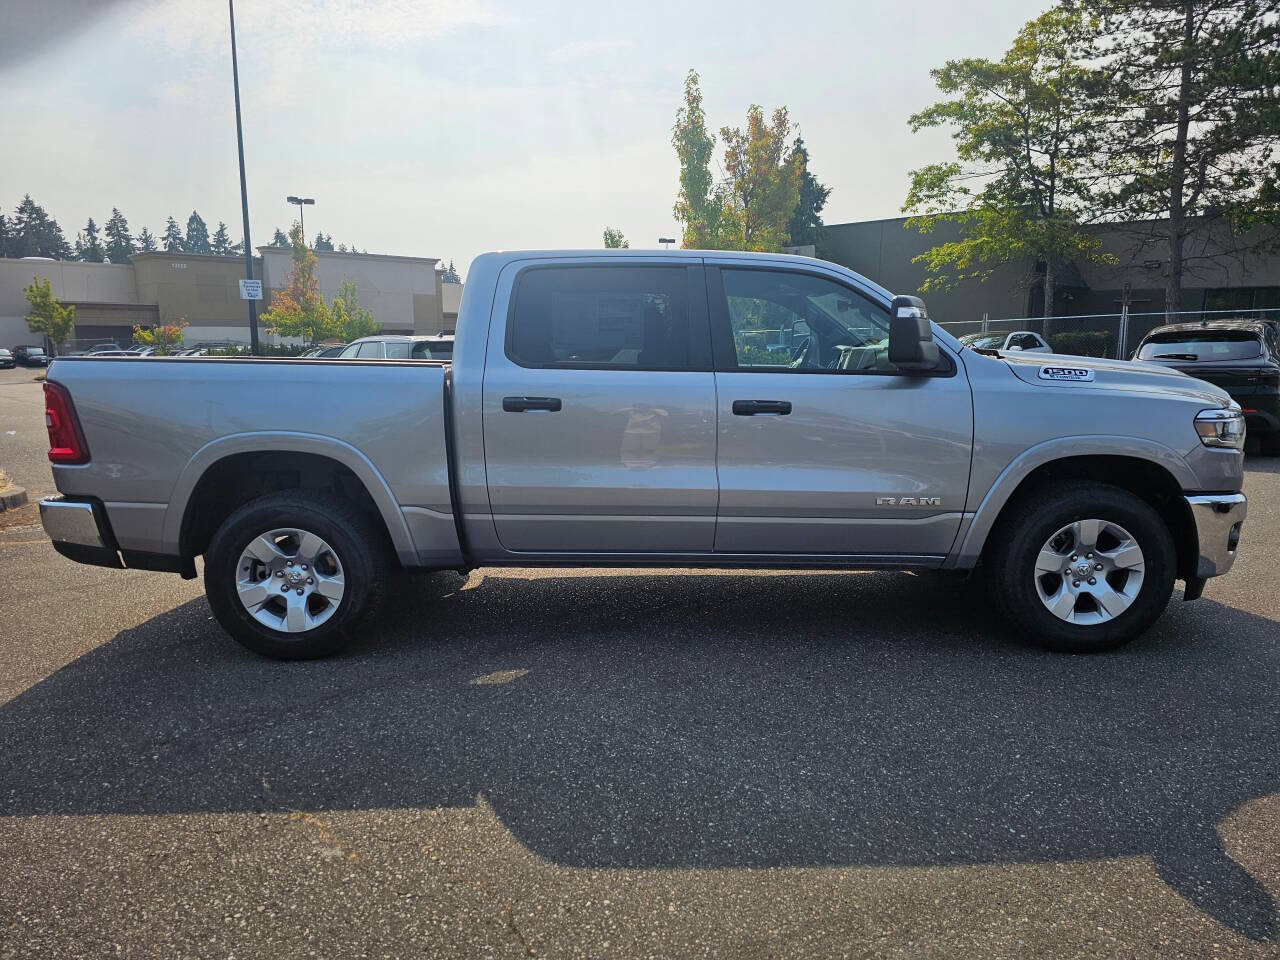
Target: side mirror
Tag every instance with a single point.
(911, 345)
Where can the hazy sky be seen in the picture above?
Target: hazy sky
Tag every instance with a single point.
(451, 127)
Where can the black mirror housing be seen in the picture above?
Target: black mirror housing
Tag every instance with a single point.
(911, 345)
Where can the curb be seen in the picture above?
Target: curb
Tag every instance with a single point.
(12, 497)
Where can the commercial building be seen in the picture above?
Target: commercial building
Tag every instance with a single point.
(405, 294)
(884, 250)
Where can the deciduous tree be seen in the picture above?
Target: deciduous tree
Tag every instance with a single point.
(701, 201)
(48, 315)
(613, 240)
(1020, 188)
(1192, 127)
(350, 321)
(298, 310)
(750, 207)
(166, 338)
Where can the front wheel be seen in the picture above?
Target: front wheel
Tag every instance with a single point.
(290, 575)
(1083, 570)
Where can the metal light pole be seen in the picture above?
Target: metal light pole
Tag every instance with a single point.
(298, 202)
(244, 190)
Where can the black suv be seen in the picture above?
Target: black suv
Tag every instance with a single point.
(1240, 356)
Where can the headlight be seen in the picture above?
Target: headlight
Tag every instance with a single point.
(1221, 428)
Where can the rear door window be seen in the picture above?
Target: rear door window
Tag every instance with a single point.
(1209, 345)
(615, 318)
(369, 350)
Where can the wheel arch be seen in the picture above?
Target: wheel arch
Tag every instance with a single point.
(1153, 473)
(207, 489)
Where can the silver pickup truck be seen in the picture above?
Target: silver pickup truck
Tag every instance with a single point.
(682, 408)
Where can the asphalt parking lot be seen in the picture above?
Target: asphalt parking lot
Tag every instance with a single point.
(577, 763)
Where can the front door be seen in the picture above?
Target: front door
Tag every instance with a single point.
(824, 446)
(599, 409)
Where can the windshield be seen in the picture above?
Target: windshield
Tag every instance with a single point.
(984, 341)
(1209, 345)
(35, 351)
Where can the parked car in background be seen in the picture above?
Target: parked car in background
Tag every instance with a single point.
(6, 359)
(393, 347)
(30, 356)
(1241, 356)
(1023, 340)
(323, 351)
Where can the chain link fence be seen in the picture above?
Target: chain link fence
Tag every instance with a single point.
(1100, 334)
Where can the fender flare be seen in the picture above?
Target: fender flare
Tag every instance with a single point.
(293, 442)
(974, 536)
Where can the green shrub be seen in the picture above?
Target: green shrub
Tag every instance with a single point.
(1084, 343)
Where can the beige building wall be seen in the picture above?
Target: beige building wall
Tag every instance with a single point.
(452, 299)
(83, 284)
(202, 290)
(402, 293)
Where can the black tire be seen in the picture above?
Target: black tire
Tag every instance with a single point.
(359, 545)
(1034, 519)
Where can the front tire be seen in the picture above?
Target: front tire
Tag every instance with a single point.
(291, 575)
(1083, 570)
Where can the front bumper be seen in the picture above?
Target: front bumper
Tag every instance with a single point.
(1218, 518)
(79, 531)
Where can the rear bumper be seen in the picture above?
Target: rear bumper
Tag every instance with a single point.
(79, 531)
(1218, 519)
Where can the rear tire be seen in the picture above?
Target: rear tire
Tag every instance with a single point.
(292, 575)
(1089, 532)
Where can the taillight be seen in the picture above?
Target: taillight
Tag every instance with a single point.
(66, 442)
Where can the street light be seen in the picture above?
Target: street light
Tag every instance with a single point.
(299, 201)
(244, 190)
(666, 242)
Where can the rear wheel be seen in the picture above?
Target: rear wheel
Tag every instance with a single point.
(1084, 569)
(290, 575)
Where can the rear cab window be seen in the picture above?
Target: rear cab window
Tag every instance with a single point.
(1202, 346)
(607, 317)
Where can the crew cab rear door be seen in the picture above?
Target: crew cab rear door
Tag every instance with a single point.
(824, 446)
(599, 407)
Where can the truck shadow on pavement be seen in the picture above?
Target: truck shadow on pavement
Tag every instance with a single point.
(694, 720)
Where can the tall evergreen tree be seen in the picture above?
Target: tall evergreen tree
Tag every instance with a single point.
(221, 242)
(197, 235)
(1191, 139)
(89, 245)
(36, 234)
(5, 242)
(805, 226)
(120, 243)
(323, 244)
(146, 241)
(173, 241)
(450, 274)
(278, 239)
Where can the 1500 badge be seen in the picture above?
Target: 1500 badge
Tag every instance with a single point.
(1077, 374)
